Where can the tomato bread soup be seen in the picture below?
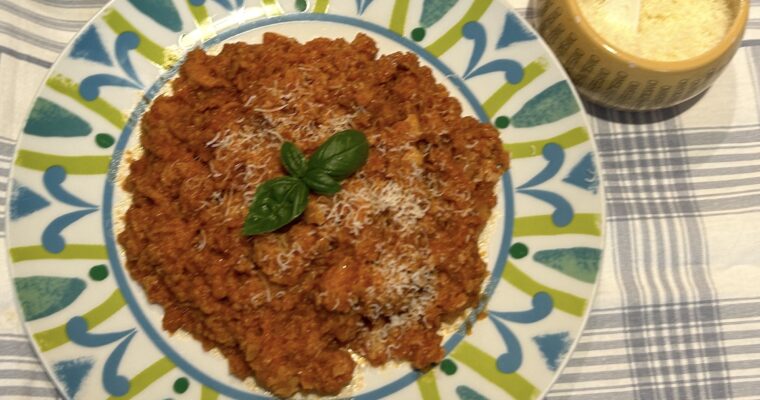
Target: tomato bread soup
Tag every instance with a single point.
(374, 270)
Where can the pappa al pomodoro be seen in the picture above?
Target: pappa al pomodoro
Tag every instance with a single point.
(373, 270)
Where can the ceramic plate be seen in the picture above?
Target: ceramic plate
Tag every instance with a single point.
(93, 327)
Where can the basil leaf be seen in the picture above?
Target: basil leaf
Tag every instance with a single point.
(276, 203)
(293, 159)
(320, 182)
(279, 201)
(341, 155)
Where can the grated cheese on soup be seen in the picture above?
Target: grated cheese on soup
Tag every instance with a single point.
(374, 271)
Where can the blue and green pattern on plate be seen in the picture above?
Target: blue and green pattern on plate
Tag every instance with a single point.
(94, 329)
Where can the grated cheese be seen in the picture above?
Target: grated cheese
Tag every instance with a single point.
(284, 259)
(355, 208)
(405, 281)
(408, 289)
(667, 30)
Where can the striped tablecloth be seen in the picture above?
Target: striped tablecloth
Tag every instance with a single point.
(678, 310)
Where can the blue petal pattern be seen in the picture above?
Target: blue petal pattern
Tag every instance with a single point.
(511, 360)
(581, 263)
(228, 6)
(542, 305)
(77, 331)
(513, 71)
(468, 393)
(563, 212)
(52, 240)
(434, 10)
(115, 384)
(161, 11)
(24, 201)
(477, 33)
(553, 347)
(41, 296)
(89, 89)
(125, 43)
(584, 175)
(48, 119)
(555, 155)
(53, 180)
(551, 105)
(362, 5)
(514, 32)
(224, 3)
(88, 46)
(72, 373)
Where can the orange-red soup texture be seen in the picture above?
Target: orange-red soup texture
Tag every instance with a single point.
(375, 269)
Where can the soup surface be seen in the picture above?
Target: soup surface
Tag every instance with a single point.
(374, 270)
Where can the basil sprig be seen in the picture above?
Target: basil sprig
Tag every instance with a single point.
(321, 182)
(279, 201)
(275, 204)
(293, 159)
(341, 155)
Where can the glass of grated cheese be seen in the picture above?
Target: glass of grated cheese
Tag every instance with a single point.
(643, 54)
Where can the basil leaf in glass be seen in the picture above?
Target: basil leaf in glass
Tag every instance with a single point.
(341, 155)
(320, 182)
(277, 202)
(293, 159)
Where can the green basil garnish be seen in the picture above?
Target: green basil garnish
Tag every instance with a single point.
(279, 201)
(341, 155)
(293, 159)
(320, 182)
(276, 203)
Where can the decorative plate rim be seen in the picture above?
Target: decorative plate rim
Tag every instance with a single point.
(507, 239)
(150, 94)
(602, 212)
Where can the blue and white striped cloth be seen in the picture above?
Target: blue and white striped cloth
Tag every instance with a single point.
(678, 310)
